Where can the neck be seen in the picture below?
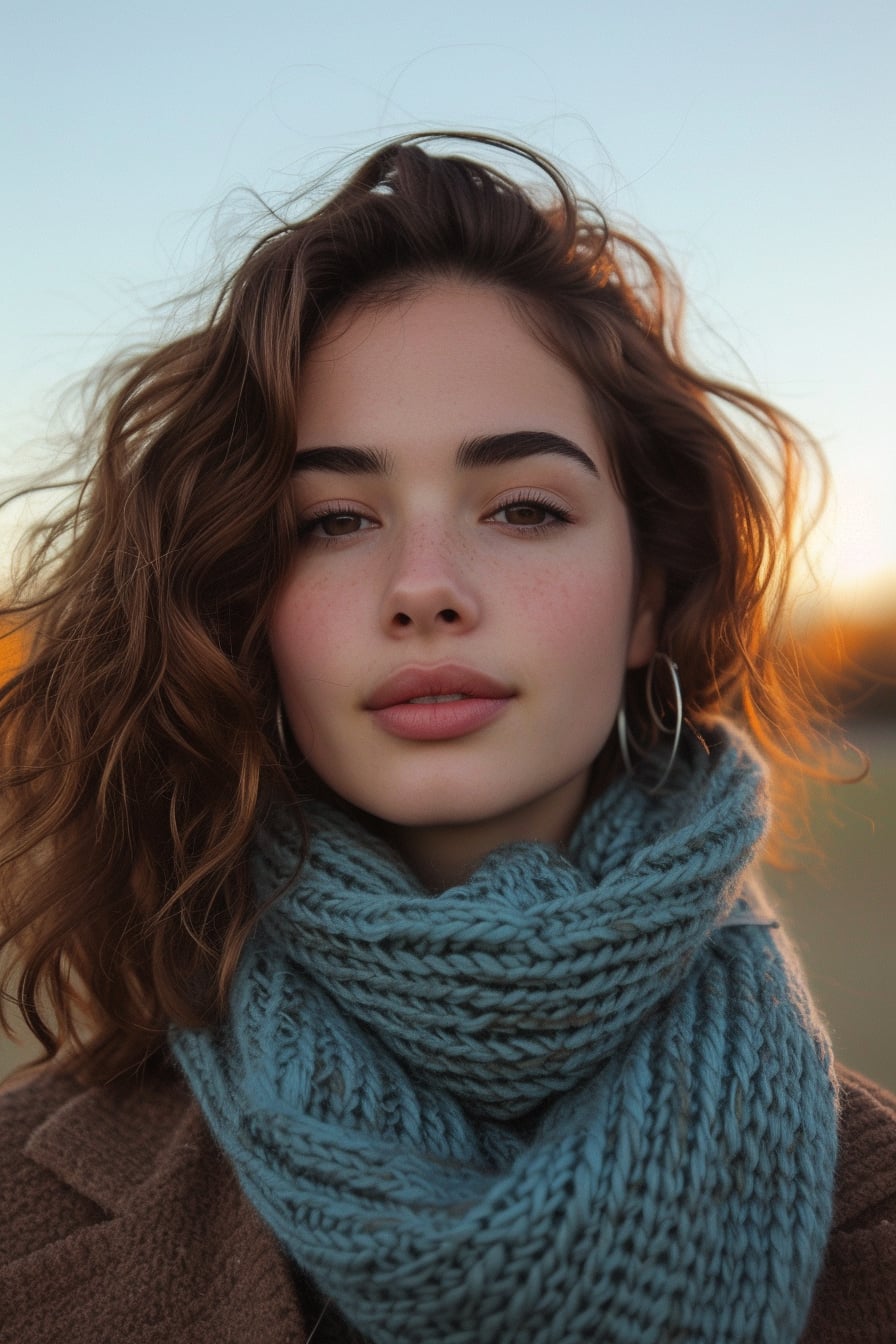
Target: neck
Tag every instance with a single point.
(444, 856)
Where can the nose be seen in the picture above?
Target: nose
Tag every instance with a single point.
(429, 585)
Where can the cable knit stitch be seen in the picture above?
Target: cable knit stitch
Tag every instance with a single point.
(563, 1101)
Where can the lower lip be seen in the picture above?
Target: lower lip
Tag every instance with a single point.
(444, 719)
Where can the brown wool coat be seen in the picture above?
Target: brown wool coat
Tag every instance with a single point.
(122, 1222)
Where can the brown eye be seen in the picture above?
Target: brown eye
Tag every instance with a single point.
(529, 515)
(339, 524)
(525, 515)
(332, 526)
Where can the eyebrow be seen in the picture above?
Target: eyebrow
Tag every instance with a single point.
(485, 450)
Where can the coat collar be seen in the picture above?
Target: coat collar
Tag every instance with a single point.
(116, 1143)
(866, 1161)
(173, 1251)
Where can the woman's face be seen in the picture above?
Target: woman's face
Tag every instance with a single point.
(458, 534)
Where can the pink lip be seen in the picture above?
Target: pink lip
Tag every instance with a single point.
(435, 723)
(485, 699)
(446, 679)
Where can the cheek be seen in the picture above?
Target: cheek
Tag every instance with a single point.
(303, 633)
(580, 616)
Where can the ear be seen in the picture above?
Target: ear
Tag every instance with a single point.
(650, 601)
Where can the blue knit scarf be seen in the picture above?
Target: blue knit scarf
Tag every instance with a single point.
(582, 1096)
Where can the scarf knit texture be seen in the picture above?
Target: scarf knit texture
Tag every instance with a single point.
(581, 1096)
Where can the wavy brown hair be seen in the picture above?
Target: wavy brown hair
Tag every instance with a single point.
(138, 742)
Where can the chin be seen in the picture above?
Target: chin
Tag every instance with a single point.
(429, 813)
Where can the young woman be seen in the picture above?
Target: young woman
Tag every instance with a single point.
(382, 793)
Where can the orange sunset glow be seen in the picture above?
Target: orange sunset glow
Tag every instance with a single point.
(10, 652)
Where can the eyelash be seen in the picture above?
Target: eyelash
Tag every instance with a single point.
(529, 499)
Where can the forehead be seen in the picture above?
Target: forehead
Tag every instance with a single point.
(452, 355)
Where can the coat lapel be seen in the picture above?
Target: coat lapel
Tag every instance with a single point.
(108, 1143)
(175, 1251)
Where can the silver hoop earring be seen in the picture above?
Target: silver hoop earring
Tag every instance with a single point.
(280, 727)
(626, 744)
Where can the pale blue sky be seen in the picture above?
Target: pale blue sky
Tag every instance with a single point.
(756, 141)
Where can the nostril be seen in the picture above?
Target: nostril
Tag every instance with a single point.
(448, 614)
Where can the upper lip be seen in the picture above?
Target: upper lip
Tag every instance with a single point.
(408, 683)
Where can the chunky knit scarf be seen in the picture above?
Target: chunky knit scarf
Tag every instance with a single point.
(580, 1097)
